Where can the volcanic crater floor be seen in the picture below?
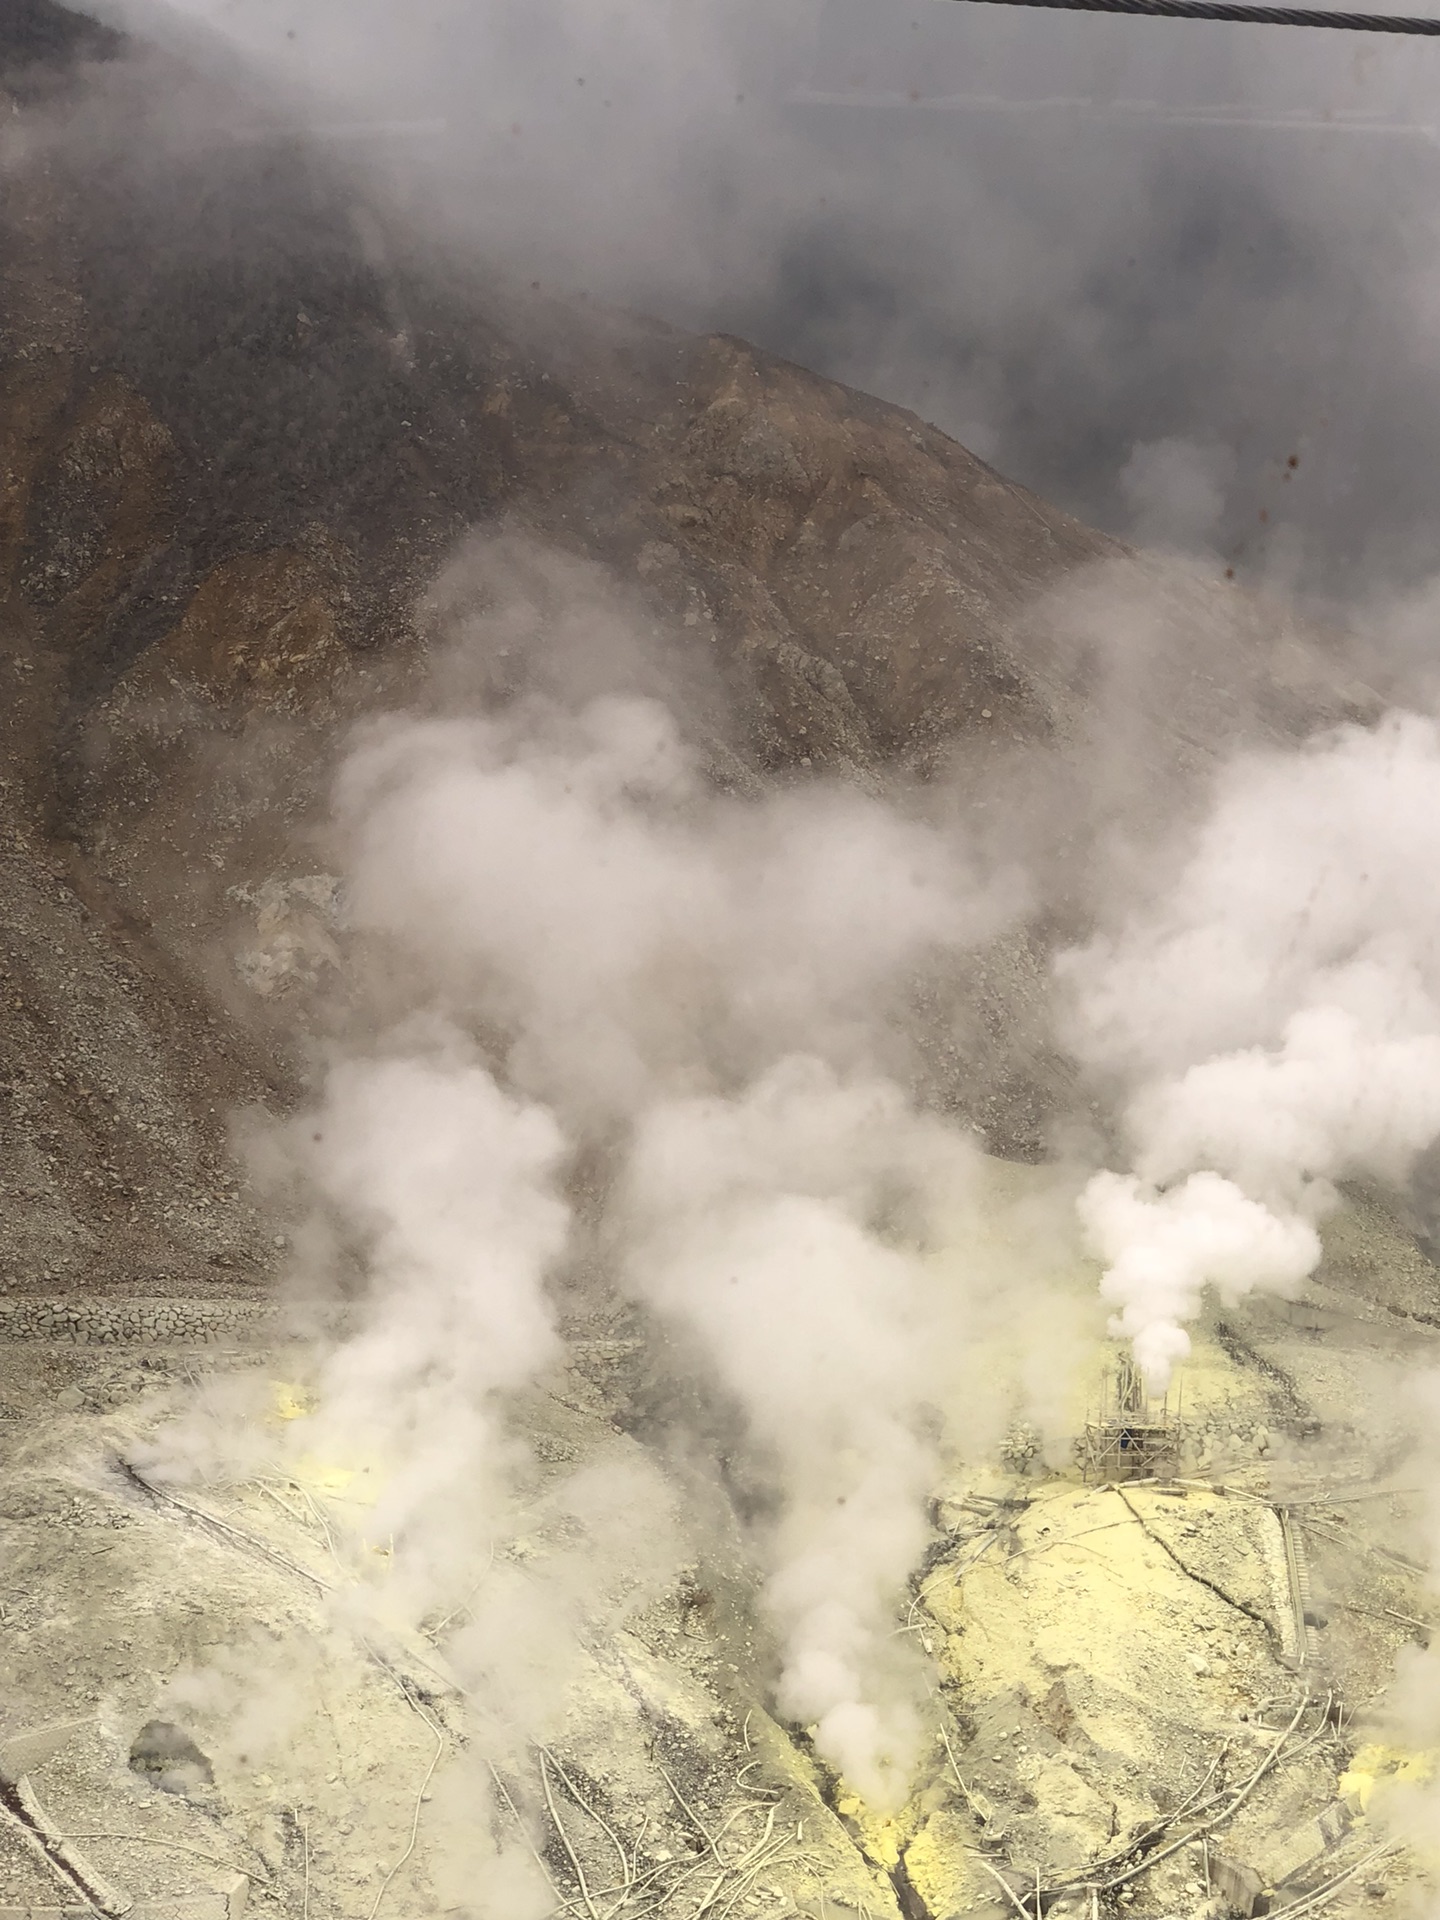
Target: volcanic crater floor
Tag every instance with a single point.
(1160, 1697)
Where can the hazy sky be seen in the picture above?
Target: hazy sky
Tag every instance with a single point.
(1069, 241)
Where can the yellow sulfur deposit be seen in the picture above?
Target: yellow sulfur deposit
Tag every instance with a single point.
(1378, 1770)
(945, 1867)
(289, 1402)
(883, 1837)
(325, 1477)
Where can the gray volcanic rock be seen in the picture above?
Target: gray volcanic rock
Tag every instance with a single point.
(39, 39)
(263, 451)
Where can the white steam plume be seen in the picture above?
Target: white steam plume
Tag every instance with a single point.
(1275, 1019)
(451, 1187)
(1175, 492)
(571, 880)
(783, 1228)
(711, 994)
(1161, 1249)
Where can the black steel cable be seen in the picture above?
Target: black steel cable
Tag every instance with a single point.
(1236, 10)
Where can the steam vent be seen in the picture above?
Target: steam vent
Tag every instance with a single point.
(717, 1174)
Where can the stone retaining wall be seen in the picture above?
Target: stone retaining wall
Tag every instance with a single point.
(136, 1321)
(227, 1903)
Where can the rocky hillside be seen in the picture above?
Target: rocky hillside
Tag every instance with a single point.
(247, 423)
(263, 457)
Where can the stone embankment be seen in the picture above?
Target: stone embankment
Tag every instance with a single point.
(136, 1321)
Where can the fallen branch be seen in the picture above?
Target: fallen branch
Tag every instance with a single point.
(232, 1535)
(1338, 1537)
(983, 1813)
(1195, 1802)
(1228, 1812)
(1322, 1895)
(532, 1849)
(419, 1798)
(693, 1817)
(1386, 1613)
(585, 1807)
(20, 1811)
(1004, 1884)
(174, 1846)
(1425, 1626)
(559, 1825)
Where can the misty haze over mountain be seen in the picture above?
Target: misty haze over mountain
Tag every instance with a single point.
(1176, 276)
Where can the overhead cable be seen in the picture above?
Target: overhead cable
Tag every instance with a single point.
(1237, 11)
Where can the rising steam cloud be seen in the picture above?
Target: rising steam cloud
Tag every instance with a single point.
(786, 1229)
(576, 951)
(586, 951)
(450, 1186)
(1274, 1018)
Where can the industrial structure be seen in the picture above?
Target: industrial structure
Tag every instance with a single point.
(1131, 1437)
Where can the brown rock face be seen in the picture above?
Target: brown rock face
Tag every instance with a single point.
(260, 454)
(216, 355)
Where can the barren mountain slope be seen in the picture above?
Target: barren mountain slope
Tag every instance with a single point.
(244, 425)
(1149, 1699)
(262, 459)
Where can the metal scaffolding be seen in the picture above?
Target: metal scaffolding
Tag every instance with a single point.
(1132, 1437)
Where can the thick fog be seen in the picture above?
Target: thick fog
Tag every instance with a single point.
(1180, 277)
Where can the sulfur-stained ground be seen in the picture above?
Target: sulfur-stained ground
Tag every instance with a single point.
(1130, 1713)
(211, 561)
